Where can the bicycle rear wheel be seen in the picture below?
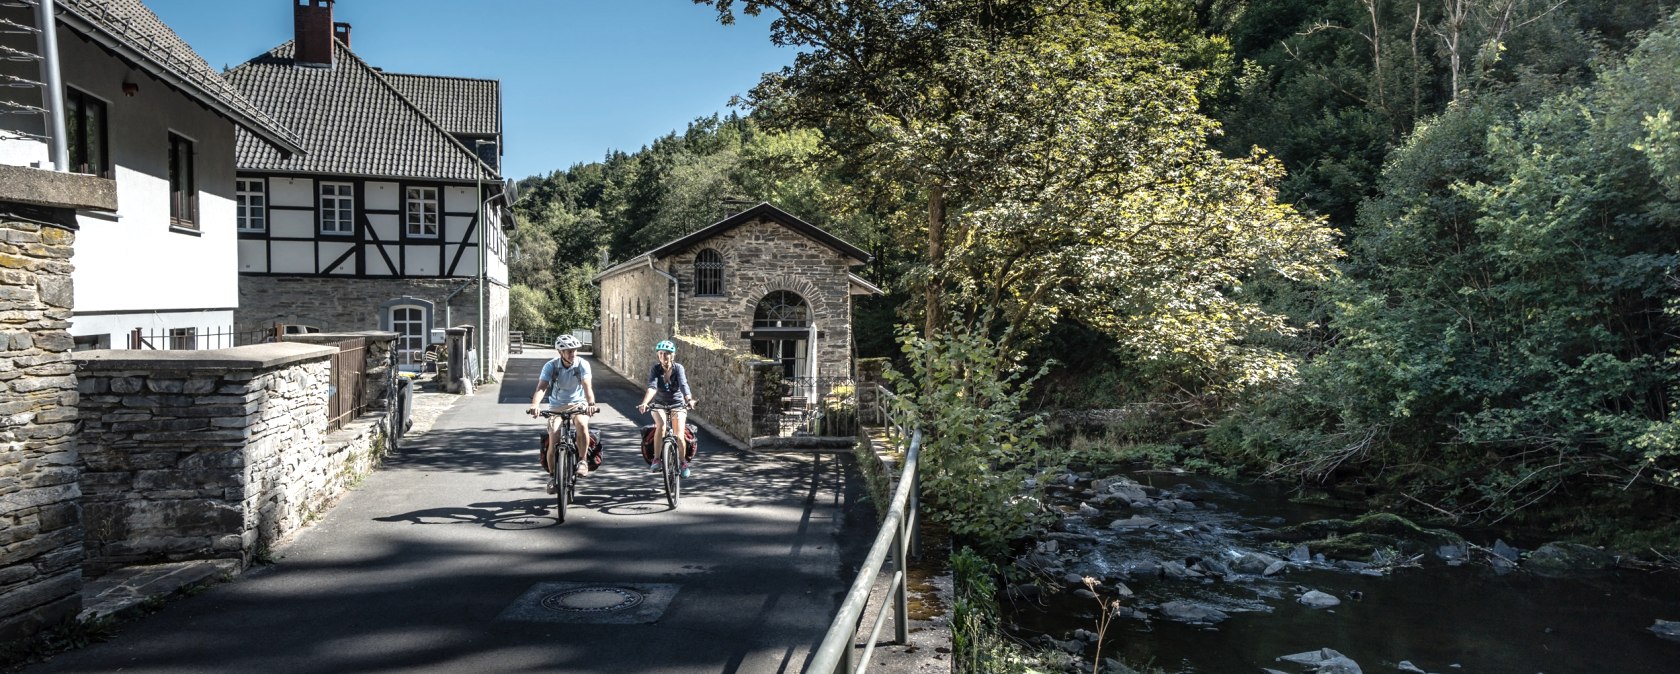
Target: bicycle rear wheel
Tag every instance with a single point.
(566, 475)
(673, 473)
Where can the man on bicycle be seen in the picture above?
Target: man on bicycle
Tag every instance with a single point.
(567, 382)
(668, 387)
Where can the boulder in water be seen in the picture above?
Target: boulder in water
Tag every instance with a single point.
(1667, 629)
(1316, 599)
(1564, 559)
(1186, 612)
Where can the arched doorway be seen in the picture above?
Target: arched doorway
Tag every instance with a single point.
(781, 328)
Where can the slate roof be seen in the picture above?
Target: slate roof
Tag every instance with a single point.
(352, 120)
(459, 104)
(763, 210)
(129, 29)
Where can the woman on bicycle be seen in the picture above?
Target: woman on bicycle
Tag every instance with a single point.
(567, 382)
(668, 386)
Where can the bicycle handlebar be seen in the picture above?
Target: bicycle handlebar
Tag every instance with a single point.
(566, 414)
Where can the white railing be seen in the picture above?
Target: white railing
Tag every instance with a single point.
(897, 536)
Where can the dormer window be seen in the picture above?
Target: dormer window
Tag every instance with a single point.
(708, 273)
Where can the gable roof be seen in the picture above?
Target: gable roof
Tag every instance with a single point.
(351, 119)
(130, 30)
(458, 104)
(762, 211)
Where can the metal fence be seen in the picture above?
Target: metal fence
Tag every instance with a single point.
(346, 395)
(188, 339)
(818, 406)
(898, 539)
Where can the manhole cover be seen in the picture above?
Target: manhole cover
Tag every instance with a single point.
(599, 602)
(592, 599)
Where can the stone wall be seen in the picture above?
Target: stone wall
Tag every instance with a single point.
(40, 524)
(635, 315)
(759, 258)
(725, 381)
(210, 454)
(377, 362)
(357, 304)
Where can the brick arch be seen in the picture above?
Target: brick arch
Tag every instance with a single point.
(798, 285)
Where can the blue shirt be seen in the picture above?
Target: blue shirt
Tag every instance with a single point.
(565, 384)
(671, 391)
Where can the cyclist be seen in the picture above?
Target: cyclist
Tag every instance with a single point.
(569, 387)
(669, 384)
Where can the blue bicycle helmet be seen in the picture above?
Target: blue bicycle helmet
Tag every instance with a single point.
(665, 345)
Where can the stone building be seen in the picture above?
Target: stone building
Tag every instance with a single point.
(397, 217)
(761, 281)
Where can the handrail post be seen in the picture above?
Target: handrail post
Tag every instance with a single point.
(901, 607)
(846, 664)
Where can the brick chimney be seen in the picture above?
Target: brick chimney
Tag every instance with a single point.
(341, 31)
(313, 25)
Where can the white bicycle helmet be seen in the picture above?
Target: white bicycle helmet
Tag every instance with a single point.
(567, 342)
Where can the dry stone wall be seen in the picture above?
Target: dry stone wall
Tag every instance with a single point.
(40, 524)
(209, 454)
(727, 383)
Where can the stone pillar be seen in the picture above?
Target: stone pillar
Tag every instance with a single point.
(40, 521)
(870, 375)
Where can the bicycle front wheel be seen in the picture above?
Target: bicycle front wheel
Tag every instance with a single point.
(673, 474)
(566, 475)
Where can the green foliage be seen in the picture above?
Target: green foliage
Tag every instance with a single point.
(1507, 335)
(973, 467)
(977, 642)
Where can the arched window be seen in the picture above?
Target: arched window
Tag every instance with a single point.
(781, 309)
(708, 273)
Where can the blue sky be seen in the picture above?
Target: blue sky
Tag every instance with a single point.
(579, 77)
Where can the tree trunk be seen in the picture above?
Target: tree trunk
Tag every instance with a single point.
(936, 260)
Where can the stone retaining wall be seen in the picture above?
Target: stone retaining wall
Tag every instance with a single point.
(726, 382)
(210, 454)
(40, 525)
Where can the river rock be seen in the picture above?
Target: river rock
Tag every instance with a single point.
(1409, 668)
(1276, 568)
(1300, 554)
(1254, 563)
(1177, 571)
(1667, 629)
(1085, 510)
(1133, 523)
(1316, 599)
(1562, 559)
(1186, 612)
(1506, 552)
(1325, 661)
(1140, 568)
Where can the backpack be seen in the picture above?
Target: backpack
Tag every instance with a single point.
(647, 443)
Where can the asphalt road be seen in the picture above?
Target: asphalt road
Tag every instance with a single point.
(442, 559)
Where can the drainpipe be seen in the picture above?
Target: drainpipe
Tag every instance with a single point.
(676, 293)
(447, 322)
(483, 259)
(54, 95)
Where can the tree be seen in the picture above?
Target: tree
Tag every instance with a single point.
(1062, 167)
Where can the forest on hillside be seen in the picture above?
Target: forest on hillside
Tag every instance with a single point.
(1423, 247)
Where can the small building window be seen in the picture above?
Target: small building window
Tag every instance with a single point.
(708, 273)
(252, 195)
(183, 194)
(422, 214)
(337, 208)
(183, 339)
(86, 134)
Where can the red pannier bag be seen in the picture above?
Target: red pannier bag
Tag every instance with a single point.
(593, 455)
(647, 443)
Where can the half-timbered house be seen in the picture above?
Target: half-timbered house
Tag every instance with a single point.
(396, 219)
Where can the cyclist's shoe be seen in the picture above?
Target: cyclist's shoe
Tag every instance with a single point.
(656, 467)
(552, 485)
(582, 469)
(685, 469)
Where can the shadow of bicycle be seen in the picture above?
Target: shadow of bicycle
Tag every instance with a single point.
(506, 515)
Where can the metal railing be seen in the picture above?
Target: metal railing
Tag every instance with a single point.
(897, 537)
(825, 406)
(194, 338)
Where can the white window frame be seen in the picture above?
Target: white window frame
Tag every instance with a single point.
(251, 195)
(410, 347)
(420, 202)
(343, 210)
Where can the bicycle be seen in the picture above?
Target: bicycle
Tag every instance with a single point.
(564, 467)
(670, 464)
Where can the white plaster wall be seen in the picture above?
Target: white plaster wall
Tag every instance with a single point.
(137, 263)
